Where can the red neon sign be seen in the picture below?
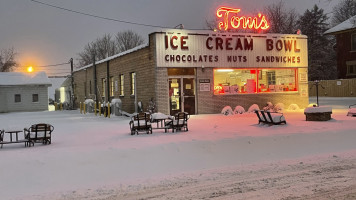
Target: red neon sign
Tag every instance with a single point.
(236, 22)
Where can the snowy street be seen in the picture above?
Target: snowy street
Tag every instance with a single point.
(220, 157)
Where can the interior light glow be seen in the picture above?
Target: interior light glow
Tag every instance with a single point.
(224, 70)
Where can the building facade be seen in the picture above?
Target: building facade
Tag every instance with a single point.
(21, 92)
(200, 72)
(345, 34)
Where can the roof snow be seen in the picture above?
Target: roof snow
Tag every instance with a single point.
(346, 25)
(20, 78)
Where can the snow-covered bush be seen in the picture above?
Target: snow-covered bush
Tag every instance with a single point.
(278, 107)
(269, 107)
(239, 110)
(227, 110)
(293, 107)
(253, 108)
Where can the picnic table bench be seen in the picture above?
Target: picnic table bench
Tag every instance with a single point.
(39, 133)
(141, 122)
(12, 140)
(178, 123)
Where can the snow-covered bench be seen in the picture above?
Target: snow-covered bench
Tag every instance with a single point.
(141, 122)
(179, 122)
(272, 118)
(39, 133)
(352, 111)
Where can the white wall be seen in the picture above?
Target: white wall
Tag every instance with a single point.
(26, 103)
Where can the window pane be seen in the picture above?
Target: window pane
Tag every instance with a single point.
(180, 71)
(121, 85)
(34, 97)
(17, 98)
(353, 42)
(233, 81)
(277, 80)
(133, 77)
(112, 86)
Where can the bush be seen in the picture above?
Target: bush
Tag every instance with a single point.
(253, 108)
(227, 110)
(239, 110)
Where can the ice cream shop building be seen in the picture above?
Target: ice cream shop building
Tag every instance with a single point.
(201, 72)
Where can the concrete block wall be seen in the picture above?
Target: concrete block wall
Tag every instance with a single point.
(141, 62)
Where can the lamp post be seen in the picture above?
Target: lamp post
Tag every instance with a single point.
(317, 83)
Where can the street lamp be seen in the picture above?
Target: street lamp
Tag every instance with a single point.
(29, 69)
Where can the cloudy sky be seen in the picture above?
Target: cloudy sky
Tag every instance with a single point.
(44, 35)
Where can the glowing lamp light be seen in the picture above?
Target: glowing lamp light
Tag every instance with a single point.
(30, 69)
(231, 21)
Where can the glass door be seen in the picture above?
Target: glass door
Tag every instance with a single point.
(188, 95)
(182, 95)
(174, 95)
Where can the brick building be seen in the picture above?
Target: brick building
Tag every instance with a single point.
(345, 34)
(201, 72)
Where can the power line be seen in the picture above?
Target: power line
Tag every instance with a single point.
(54, 65)
(96, 16)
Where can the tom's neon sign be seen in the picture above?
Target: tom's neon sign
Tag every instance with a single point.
(231, 21)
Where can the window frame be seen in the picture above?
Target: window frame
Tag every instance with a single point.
(132, 83)
(353, 45)
(18, 99)
(112, 86)
(258, 77)
(33, 98)
(348, 70)
(103, 92)
(122, 85)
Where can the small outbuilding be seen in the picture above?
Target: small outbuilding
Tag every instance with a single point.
(23, 91)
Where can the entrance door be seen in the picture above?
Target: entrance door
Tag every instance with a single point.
(182, 95)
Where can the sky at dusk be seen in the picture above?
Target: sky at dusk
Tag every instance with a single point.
(44, 35)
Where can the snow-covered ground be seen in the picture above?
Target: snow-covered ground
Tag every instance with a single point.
(220, 157)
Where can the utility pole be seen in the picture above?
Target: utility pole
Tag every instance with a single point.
(95, 81)
(72, 85)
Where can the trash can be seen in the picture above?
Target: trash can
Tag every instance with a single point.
(89, 105)
(116, 106)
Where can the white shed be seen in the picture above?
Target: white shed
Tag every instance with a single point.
(23, 91)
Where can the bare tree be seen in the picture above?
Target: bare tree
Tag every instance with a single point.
(127, 40)
(107, 46)
(7, 60)
(282, 20)
(101, 48)
(343, 11)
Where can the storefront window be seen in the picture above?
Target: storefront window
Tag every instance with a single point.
(235, 81)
